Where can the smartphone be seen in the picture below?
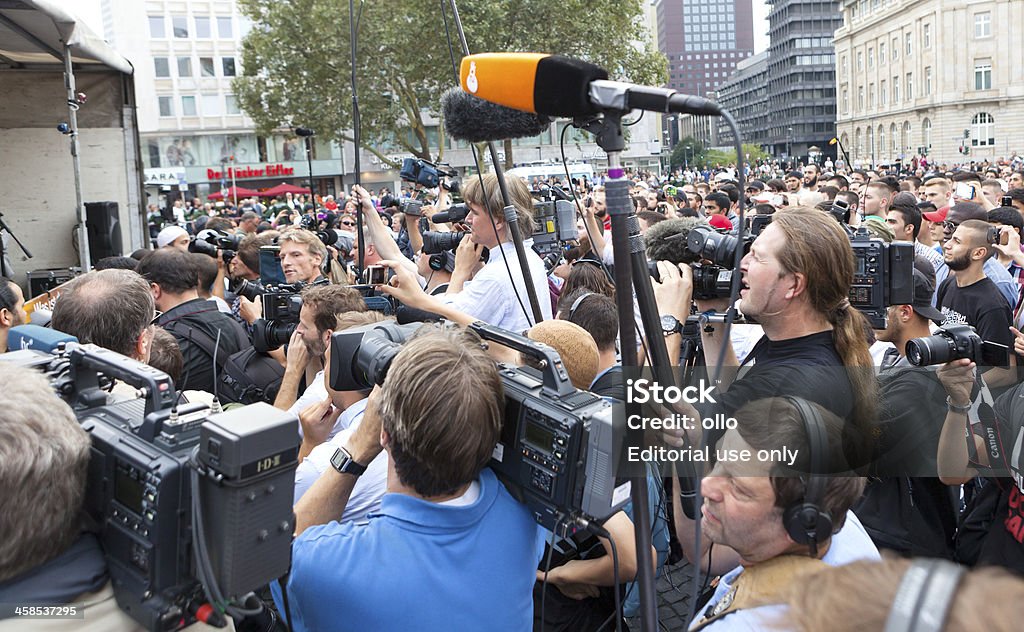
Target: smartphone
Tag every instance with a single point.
(996, 236)
(270, 266)
(1007, 201)
(964, 191)
(376, 274)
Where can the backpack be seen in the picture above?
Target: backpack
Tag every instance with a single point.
(248, 377)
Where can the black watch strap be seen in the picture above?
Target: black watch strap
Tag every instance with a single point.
(345, 464)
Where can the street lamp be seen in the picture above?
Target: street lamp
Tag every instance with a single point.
(789, 145)
(308, 134)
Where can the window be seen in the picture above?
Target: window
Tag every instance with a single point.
(166, 108)
(860, 61)
(180, 26)
(881, 141)
(926, 36)
(882, 93)
(160, 67)
(871, 58)
(870, 141)
(909, 40)
(926, 133)
(228, 66)
(184, 66)
(983, 24)
(910, 86)
(156, 27)
(860, 98)
(895, 141)
(224, 28)
(983, 75)
(202, 27)
(905, 137)
(212, 105)
(895, 89)
(231, 104)
(881, 53)
(928, 81)
(871, 96)
(857, 147)
(983, 130)
(895, 48)
(206, 67)
(846, 101)
(188, 106)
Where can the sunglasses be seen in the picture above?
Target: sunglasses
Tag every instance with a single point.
(950, 226)
(348, 223)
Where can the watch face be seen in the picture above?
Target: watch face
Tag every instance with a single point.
(669, 324)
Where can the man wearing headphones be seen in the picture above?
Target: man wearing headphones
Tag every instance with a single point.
(773, 521)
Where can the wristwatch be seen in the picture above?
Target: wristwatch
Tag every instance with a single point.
(670, 325)
(345, 464)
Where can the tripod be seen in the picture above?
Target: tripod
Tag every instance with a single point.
(3, 255)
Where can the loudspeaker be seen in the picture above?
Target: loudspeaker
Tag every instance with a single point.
(103, 228)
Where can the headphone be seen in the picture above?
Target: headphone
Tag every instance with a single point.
(924, 596)
(577, 302)
(442, 261)
(807, 522)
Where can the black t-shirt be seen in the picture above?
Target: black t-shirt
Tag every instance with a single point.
(1004, 544)
(983, 307)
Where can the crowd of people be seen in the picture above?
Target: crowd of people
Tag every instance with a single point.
(400, 524)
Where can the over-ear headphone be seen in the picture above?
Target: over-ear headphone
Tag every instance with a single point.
(442, 261)
(924, 596)
(807, 522)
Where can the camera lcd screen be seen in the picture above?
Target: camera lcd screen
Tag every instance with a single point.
(128, 491)
(861, 265)
(539, 437)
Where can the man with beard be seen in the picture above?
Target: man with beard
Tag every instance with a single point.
(811, 177)
(969, 297)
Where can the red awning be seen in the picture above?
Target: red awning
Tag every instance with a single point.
(233, 192)
(284, 188)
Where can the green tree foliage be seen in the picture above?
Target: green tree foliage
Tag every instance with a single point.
(688, 151)
(297, 71)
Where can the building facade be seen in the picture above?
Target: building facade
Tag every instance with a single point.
(801, 76)
(745, 96)
(943, 79)
(704, 40)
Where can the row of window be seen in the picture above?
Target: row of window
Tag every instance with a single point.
(982, 81)
(982, 135)
(207, 67)
(202, 27)
(205, 105)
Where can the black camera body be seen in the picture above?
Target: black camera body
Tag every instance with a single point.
(281, 307)
(410, 206)
(718, 248)
(554, 223)
(883, 275)
(209, 241)
(711, 282)
(945, 345)
(153, 464)
(453, 214)
(436, 242)
(557, 443)
(328, 236)
(422, 172)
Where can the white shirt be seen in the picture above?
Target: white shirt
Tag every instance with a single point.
(366, 495)
(317, 392)
(490, 296)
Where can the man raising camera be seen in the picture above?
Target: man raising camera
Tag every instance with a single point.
(438, 415)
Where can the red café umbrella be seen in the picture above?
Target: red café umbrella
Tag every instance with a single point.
(284, 188)
(233, 192)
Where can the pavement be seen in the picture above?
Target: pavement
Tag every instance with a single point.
(673, 599)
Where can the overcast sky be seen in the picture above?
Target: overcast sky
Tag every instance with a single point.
(760, 25)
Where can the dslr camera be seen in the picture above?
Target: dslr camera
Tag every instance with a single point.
(947, 344)
(556, 443)
(189, 507)
(312, 224)
(209, 241)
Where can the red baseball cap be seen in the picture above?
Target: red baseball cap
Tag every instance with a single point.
(938, 216)
(720, 221)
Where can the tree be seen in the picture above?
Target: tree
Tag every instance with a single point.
(297, 69)
(688, 151)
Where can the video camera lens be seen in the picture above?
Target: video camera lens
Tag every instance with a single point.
(435, 242)
(454, 213)
(202, 247)
(268, 335)
(248, 289)
(711, 282)
(707, 243)
(946, 345)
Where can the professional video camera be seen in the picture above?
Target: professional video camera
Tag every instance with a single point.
(209, 241)
(453, 214)
(436, 242)
(554, 223)
(312, 224)
(281, 307)
(190, 507)
(423, 172)
(945, 345)
(556, 443)
(410, 206)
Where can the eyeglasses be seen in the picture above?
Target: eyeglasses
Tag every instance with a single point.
(950, 226)
(348, 223)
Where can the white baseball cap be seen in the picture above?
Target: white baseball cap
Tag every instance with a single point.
(169, 234)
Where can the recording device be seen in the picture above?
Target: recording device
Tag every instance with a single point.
(996, 237)
(711, 282)
(181, 499)
(477, 121)
(883, 275)
(454, 214)
(560, 86)
(450, 185)
(436, 242)
(556, 442)
(964, 191)
(758, 223)
(945, 345)
(1006, 201)
(209, 241)
(282, 304)
(840, 209)
(554, 223)
(376, 274)
(667, 240)
(707, 243)
(422, 172)
(410, 206)
(312, 224)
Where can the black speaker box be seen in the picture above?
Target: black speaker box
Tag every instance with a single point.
(103, 228)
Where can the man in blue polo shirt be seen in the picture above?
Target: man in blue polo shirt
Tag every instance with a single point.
(449, 547)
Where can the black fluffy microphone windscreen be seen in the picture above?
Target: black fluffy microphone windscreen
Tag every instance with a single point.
(666, 241)
(474, 120)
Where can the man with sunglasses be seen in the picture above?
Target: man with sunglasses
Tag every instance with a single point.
(997, 273)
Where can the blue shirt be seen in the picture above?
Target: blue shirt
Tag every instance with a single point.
(999, 275)
(417, 565)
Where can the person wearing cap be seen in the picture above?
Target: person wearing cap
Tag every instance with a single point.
(905, 507)
(173, 237)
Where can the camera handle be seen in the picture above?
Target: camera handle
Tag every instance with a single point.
(157, 388)
(556, 377)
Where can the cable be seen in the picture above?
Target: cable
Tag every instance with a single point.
(638, 119)
(216, 348)
(547, 569)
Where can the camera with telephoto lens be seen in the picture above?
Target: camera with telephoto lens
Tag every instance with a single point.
(716, 247)
(945, 345)
(209, 241)
(711, 282)
(188, 506)
(453, 214)
(436, 242)
(312, 224)
(422, 172)
(556, 442)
